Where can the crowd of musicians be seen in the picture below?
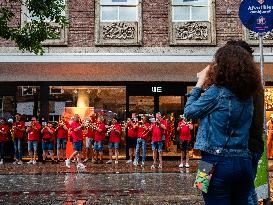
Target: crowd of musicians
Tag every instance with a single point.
(95, 132)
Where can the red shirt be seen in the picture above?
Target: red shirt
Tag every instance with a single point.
(99, 136)
(132, 132)
(185, 131)
(4, 137)
(33, 135)
(91, 131)
(140, 131)
(47, 136)
(76, 135)
(17, 131)
(115, 136)
(156, 133)
(163, 122)
(61, 132)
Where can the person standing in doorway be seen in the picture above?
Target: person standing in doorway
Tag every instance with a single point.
(77, 136)
(33, 131)
(158, 129)
(48, 141)
(184, 127)
(114, 140)
(99, 140)
(142, 135)
(132, 136)
(18, 129)
(4, 137)
(62, 136)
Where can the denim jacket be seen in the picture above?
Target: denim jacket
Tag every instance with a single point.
(224, 121)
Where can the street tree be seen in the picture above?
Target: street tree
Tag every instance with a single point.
(45, 19)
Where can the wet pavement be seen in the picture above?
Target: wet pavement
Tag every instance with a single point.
(98, 184)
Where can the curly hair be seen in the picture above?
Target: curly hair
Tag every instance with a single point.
(235, 69)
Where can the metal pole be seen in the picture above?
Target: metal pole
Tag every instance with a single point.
(261, 35)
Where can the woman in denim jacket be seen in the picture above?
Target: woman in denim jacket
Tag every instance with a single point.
(225, 111)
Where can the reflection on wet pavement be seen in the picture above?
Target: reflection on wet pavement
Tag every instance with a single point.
(99, 184)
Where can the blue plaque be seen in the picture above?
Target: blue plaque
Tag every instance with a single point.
(257, 15)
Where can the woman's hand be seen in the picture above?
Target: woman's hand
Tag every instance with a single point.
(202, 77)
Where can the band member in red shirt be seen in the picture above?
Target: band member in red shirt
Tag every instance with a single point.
(33, 131)
(90, 125)
(132, 136)
(158, 130)
(142, 135)
(4, 137)
(77, 136)
(184, 128)
(62, 136)
(18, 129)
(48, 141)
(99, 140)
(114, 140)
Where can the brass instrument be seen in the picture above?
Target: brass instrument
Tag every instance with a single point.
(110, 129)
(145, 132)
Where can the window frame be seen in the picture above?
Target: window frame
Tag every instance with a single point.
(119, 5)
(187, 4)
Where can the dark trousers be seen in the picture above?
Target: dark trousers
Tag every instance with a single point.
(2, 150)
(232, 181)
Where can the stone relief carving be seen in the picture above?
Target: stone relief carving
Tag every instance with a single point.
(118, 30)
(255, 36)
(192, 31)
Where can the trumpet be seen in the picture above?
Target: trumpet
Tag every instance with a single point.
(145, 132)
(110, 129)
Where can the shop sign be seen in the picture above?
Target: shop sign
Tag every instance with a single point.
(157, 89)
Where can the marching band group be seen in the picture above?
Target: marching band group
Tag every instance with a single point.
(94, 131)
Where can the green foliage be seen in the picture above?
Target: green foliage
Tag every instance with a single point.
(46, 18)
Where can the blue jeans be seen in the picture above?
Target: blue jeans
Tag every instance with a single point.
(98, 146)
(141, 142)
(232, 180)
(2, 150)
(61, 143)
(252, 198)
(18, 148)
(33, 145)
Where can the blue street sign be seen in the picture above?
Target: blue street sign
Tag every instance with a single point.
(257, 15)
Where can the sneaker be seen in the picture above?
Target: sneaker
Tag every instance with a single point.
(135, 163)
(187, 165)
(93, 160)
(142, 164)
(181, 165)
(34, 162)
(85, 160)
(153, 166)
(20, 162)
(67, 163)
(15, 162)
(30, 162)
(109, 162)
(160, 166)
(1, 162)
(116, 162)
(129, 161)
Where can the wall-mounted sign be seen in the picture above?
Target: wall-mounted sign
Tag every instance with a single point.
(257, 15)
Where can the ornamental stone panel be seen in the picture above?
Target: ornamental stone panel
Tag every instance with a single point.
(253, 38)
(117, 33)
(193, 32)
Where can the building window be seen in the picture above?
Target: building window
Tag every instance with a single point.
(192, 22)
(118, 22)
(190, 10)
(119, 10)
(27, 17)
